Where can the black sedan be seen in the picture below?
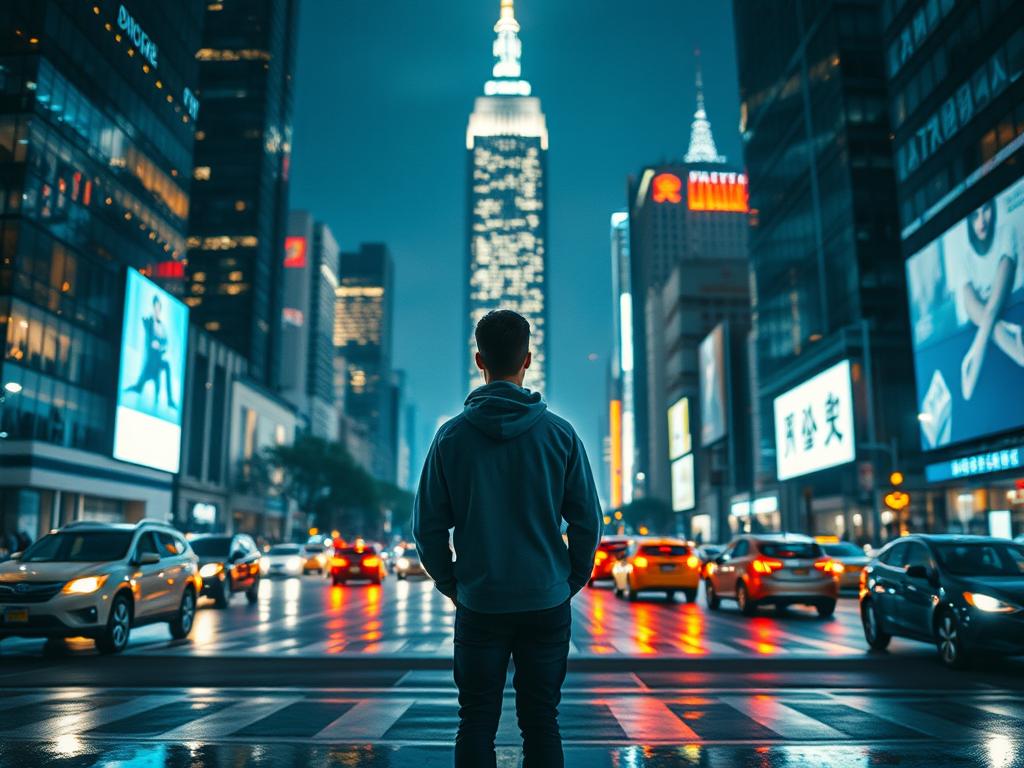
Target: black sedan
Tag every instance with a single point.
(228, 564)
(963, 593)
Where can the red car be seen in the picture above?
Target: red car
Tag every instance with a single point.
(357, 562)
(610, 549)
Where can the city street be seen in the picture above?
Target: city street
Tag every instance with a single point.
(360, 676)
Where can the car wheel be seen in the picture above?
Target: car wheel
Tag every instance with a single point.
(252, 594)
(615, 590)
(119, 625)
(877, 638)
(691, 595)
(950, 642)
(630, 592)
(826, 609)
(223, 595)
(336, 581)
(713, 600)
(182, 623)
(746, 605)
(670, 595)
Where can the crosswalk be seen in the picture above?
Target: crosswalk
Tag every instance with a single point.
(601, 716)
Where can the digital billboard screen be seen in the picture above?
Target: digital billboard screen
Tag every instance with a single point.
(679, 439)
(712, 387)
(814, 426)
(151, 381)
(683, 493)
(966, 297)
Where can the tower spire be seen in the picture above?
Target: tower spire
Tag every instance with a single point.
(702, 143)
(507, 47)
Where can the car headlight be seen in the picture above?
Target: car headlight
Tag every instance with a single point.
(988, 604)
(85, 585)
(210, 570)
(294, 563)
(403, 563)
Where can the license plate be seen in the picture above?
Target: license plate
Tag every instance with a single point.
(801, 571)
(16, 616)
(668, 567)
(353, 570)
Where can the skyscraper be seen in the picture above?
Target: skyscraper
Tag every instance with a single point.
(307, 320)
(507, 140)
(685, 268)
(828, 284)
(363, 377)
(239, 213)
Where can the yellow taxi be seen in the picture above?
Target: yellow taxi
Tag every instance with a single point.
(657, 565)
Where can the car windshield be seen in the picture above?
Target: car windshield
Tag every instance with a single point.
(982, 558)
(613, 546)
(367, 550)
(284, 549)
(211, 546)
(790, 549)
(314, 546)
(79, 547)
(844, 549)
(664, 550)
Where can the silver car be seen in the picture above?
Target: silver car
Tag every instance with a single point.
(98, 580)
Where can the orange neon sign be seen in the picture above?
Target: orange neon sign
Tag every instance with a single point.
(615, 428)
(713, 191)
(667, 188)
(295, 252)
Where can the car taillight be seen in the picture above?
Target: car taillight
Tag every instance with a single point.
(692, 561)
(829, 566)
(338, 562)
(371, 562)
(600, 557)
(640, 562)
(761, 565)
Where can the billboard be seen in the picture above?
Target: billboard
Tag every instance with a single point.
(713, 191)
(712, 387)
(679, 438)
(151, 381)
(814, 424)
(683, 496)
(966, 291)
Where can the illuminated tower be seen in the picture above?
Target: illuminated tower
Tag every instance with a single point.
(507, 142)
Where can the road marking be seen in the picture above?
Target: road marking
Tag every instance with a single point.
(84, 721)
(776, 716)
(647, 719)
(998, 708)
(23, 700)
(227, 721)
(366, 720)
(899, 712)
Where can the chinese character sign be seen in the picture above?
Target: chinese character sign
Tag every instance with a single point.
(814, 424)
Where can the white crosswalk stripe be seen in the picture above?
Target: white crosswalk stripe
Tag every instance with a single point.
(366, 720)
(901, 713)
(770, 712)
(645, 718)
(233, 718)
(93, 718)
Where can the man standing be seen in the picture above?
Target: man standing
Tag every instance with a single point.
(504, 475)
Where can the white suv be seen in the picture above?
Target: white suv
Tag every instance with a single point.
(99, 580)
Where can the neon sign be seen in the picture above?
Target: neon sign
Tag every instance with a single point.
(146, 47)
(667, 188)
(713, 191)
(295, 252)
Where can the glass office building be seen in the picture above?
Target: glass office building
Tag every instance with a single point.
(828, 276)
(956, 103)
(507, 140)
(97, 112)
(239, 216)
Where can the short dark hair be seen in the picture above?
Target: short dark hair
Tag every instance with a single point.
(503, 338)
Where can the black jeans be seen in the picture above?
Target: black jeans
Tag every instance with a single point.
(538, 643)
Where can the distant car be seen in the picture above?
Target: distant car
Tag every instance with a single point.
(228, 564)
(963, 593)
(774, 569)
(314, 557)
(657, 565)
(707, 553)
(608, 552)
(282, 560)
(357, 562)
(100, 580)
(408, 564)
(853, 559)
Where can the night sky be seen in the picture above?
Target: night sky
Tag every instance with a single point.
(383, 94)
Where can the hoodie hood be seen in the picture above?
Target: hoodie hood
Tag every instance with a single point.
(502, 410)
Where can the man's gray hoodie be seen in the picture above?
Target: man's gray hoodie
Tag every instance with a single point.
(504, 474)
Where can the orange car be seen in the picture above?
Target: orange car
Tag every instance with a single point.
(657, 565)
(609, 551)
